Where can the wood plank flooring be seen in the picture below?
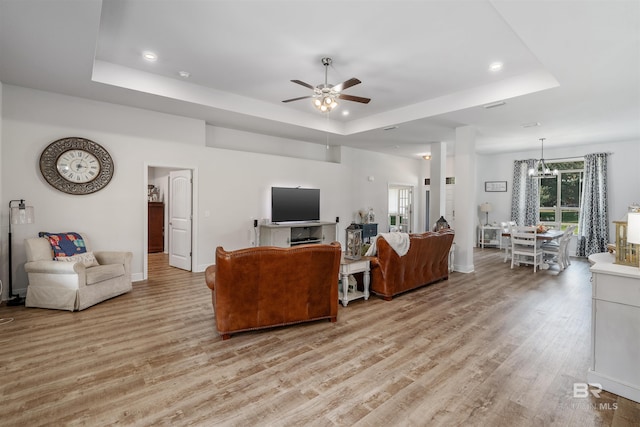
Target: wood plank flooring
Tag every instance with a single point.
(497, 347)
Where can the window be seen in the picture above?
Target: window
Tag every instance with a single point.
(560, 196)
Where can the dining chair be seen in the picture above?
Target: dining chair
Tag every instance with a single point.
(525, 249)
(569, 235)
(508, 227)
(558, 251)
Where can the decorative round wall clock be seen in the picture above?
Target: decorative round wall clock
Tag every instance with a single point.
(76, 165)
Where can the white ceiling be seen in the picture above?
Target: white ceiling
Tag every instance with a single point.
(572, 66)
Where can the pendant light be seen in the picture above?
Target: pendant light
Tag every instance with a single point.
(542, 170)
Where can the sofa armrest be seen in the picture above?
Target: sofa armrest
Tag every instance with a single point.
(112, 257)
(55, 267)
(116, 257)
(210, 276)
(374, 261)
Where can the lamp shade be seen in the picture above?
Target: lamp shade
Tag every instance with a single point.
(633, 228)
(22, 215)
(486, 207)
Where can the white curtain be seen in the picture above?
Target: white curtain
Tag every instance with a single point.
(525, 194)
(593, 224)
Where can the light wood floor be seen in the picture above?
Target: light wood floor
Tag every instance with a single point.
(497, 347)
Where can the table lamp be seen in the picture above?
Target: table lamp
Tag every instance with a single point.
(486, 207)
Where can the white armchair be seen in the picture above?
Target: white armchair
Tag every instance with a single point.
(72, 285)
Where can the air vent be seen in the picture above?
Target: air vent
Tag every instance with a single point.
(494, 105)
(531, 125)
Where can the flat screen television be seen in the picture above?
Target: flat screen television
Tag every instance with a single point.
(295, 204)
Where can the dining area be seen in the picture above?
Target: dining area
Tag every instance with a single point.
(541, 247)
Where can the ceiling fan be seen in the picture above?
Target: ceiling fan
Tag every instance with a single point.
(325, 95)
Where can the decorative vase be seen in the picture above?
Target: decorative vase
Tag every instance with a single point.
(371, 216)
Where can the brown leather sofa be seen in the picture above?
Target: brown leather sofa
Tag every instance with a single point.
(425, 262)
(267, 286)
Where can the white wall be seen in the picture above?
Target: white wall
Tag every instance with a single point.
(232, 186)
(623, 178)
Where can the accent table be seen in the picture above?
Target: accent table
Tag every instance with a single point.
(489, 235)
(350, 266)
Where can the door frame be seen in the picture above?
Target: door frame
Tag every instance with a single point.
(414, 213)
(194, 213)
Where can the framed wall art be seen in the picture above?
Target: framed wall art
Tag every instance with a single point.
(493, 186)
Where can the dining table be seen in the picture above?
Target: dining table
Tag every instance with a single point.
(551, 234)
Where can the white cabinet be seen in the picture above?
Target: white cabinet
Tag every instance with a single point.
(615, 327)
(287, 235)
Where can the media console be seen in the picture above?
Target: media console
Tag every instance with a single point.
(292, 234)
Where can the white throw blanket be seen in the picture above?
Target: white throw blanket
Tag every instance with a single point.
(398, 241)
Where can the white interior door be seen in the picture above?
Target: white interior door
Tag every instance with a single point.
(180, 214)
(405, 208)
(401, 208)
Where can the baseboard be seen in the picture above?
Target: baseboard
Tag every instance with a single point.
(464, 268)
(201, 268)
(615, 386)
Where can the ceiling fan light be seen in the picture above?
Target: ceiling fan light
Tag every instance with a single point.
(317, 102)
(328, 100)
(323, 108)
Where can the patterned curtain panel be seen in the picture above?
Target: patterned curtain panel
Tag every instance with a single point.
(594, 215)
(524, 194)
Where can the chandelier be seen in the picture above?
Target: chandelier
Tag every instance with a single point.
(542, 170)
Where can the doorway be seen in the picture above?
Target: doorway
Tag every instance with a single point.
(400, 208)
(173, 189)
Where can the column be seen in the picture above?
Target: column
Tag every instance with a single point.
(465, 198)
(437, 189)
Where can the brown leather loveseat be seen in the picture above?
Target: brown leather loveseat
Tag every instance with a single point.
(425, 262)
(268, 286)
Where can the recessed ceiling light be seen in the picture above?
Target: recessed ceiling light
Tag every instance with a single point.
(184, 74)
(427, 157)
(495, 66)
(495, 104)
(345, 113)
(149, 56)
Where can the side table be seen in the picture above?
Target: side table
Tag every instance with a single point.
(489, 235)
(350, 266)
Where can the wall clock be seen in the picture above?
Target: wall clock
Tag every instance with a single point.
(76, 165)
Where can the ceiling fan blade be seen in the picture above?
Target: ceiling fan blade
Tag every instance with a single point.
(354, 98)
(303, 84)
(297, 99)
(345, 85)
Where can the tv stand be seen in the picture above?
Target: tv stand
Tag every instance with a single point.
(292, 234)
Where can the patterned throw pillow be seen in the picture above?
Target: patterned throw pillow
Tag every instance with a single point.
(65, 244)
(87, 258)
